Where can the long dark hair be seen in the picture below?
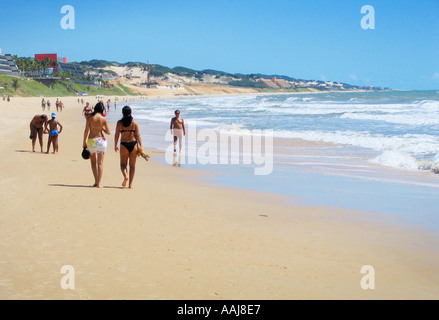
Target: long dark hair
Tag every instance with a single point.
(99, 108)
(127, 117)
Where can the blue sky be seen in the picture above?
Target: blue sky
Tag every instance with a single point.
(315, 39)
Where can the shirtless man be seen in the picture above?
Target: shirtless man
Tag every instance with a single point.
(36, 130)
(51, 127)
(178, 129)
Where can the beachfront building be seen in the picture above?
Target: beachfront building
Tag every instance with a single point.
(51, 56)
(282, 83)
(8, 65)
(269, 83)
(275, 83)
(73, 69)
(61, 65)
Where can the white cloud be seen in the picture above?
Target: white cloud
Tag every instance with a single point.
(353, 77)
(436, 75)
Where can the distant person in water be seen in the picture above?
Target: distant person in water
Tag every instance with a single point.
(52, 127)
(178, 130)
(37, 129)
(95, 142)
(130, 142)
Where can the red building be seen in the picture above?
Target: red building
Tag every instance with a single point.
(52, 56)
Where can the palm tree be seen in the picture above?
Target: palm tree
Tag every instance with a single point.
(16, 84)
(6, 86)
(45, 63)
(53, 64)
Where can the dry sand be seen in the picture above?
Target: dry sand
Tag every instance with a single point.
(176, 237)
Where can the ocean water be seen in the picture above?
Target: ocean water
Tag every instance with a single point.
(372, 151)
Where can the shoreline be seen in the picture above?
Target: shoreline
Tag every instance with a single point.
(176, 237)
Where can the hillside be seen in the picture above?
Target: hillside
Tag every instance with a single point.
(112, 78)
(136, 74)
(14, 86)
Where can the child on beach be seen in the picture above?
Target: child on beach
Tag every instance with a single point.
(51, 127)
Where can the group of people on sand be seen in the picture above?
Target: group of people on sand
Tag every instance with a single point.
(59, 105)
(94, 141)
(39, 125)
(127, 131)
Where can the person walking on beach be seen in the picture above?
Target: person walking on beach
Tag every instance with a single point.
(57, 105)
(95, 142)
(178, 130)
(37, 129)
(43, 104)
(87, 111)
(51, 126)
(48, 105)
(130, 142)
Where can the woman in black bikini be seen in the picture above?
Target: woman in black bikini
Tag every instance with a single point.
(130, 142)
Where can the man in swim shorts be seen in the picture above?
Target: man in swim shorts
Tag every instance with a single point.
(52, 127)
(37, 130)
(178, 130)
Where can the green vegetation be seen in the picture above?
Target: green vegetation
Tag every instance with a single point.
(124, 89)
(247, 83)
(30, 66)
(158, 70)
(96, 64)
(30, 88)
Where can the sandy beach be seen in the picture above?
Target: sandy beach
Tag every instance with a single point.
(173, 236)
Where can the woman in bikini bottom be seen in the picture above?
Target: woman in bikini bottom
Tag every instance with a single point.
(128, 130)
(97, 145)
(129, 145)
